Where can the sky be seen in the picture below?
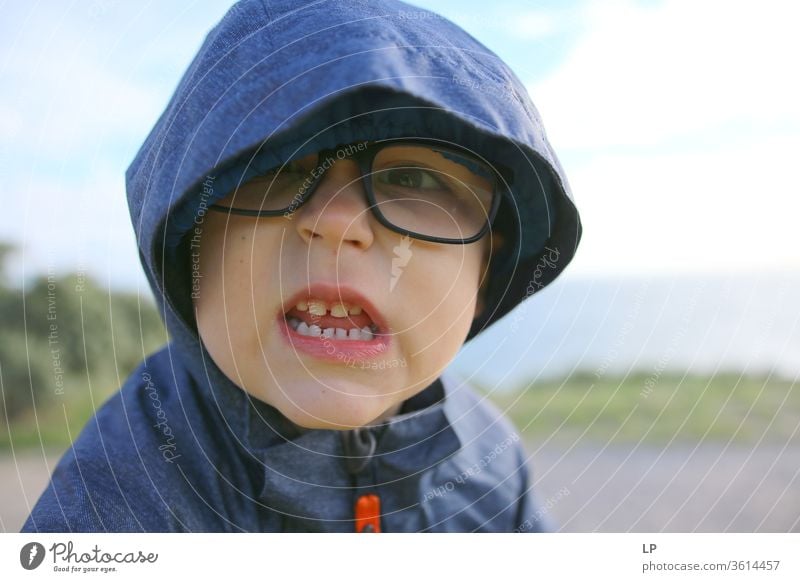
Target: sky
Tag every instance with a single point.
(676, 123)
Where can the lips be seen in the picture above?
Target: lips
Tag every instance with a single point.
(332, 293)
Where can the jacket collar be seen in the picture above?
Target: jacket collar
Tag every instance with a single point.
(422, 435)
(313, 464)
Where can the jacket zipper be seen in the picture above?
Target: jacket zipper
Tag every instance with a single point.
(359, 446)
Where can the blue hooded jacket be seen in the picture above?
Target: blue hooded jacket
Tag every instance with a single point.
(180, 447)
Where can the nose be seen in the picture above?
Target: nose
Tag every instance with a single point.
(337, 211)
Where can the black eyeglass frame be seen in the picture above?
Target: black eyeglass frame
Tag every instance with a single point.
(503, 178)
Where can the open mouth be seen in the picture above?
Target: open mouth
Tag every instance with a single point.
(338, 321)
(335, 323)
(334, 312)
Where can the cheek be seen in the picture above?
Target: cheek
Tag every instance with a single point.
(444, 293)
(450, 283)
(228, 295)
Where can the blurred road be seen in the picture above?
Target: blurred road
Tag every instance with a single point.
(676, 489)
(24, 478)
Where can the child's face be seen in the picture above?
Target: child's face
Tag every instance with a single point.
(250, 268)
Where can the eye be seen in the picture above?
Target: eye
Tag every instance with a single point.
(410, 177)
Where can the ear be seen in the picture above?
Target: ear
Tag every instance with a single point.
(491, 246)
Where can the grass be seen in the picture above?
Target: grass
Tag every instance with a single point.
(723, 408)
(52, 425)
(656, 410)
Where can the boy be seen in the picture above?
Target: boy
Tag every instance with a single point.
(338, 195)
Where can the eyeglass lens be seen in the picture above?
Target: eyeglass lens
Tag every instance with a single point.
(428, 190)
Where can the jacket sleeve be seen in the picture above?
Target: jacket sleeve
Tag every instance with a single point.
(101, 483)
(81, 497)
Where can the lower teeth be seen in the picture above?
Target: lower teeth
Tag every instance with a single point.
(366, 333)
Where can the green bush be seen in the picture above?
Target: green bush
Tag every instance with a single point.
(62, 336)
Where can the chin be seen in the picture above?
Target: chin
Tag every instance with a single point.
(343, 413)
(331, 401)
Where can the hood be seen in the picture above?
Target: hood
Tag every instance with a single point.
(287, 77)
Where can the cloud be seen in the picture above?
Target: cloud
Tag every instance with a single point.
(530, 24)
(86, 79)
(678, 127)
(731, 210)
(646, 74)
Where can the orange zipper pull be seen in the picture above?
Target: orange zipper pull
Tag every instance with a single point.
(368, 513)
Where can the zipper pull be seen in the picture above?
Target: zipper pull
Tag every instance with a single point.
(368, 513)
(359, 446)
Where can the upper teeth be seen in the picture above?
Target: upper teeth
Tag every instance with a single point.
(319, 307)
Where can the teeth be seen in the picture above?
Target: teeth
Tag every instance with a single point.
(317, 307)
(338, 310)
(320, 307)
(366, 333)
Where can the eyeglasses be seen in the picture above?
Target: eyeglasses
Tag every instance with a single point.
(415, 187)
